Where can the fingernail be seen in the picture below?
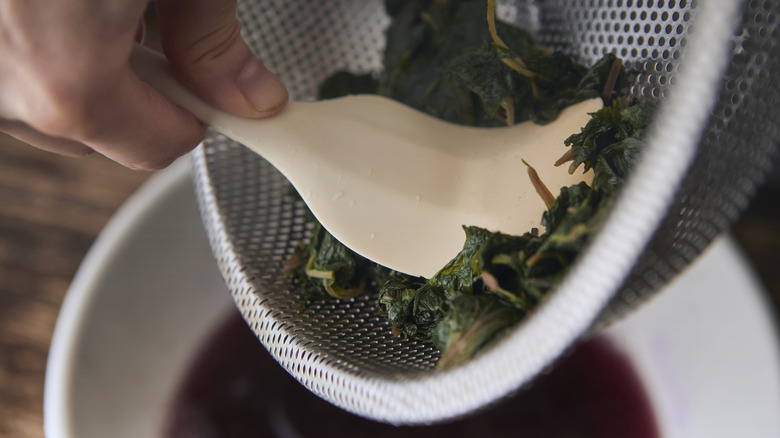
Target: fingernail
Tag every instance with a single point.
(262, 88)
(140, 32)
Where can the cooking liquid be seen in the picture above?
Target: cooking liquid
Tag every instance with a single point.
(235, 389)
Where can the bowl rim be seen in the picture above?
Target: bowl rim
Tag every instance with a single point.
(82, 293)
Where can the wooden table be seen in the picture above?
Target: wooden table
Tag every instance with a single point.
(51, 210)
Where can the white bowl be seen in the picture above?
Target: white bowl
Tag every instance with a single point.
(149, 294)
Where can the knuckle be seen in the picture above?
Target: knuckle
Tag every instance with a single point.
(212, 46)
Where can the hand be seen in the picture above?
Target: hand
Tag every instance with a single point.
(66, 84)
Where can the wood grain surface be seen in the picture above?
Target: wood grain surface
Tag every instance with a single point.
(51, 210)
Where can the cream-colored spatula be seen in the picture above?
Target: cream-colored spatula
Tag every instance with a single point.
(391, 183)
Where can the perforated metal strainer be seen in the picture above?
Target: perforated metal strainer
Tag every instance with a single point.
(714, 66)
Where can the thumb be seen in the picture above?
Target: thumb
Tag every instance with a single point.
(202, 41)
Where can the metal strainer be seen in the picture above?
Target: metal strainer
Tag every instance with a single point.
(714, 65)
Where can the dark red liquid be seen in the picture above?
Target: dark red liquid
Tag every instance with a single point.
(235, 389)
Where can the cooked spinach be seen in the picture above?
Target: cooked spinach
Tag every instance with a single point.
(611, 142)
(324, 268)
(443, 59)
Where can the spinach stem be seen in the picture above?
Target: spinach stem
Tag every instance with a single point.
(565, 158)
(491, 18)
(541, 189)
(317, 273)
(509, 108)
(515, 63)
(612, 77)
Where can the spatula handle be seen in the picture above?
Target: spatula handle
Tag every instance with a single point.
(154, 69)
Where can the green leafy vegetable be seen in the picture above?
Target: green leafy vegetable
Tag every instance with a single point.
(415, 305)
(344, 83)
(472, 322)
(611, 142)
(325, 267)
(442, 58)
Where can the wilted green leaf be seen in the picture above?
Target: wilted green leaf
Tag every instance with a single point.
(440, 58)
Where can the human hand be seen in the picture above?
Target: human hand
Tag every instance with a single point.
(66, 85)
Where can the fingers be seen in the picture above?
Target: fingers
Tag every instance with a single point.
(129, 122)
(136, 126)
(109, 110)
(202, 40)
(66, 85)
(62, 146)
(69, 87)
